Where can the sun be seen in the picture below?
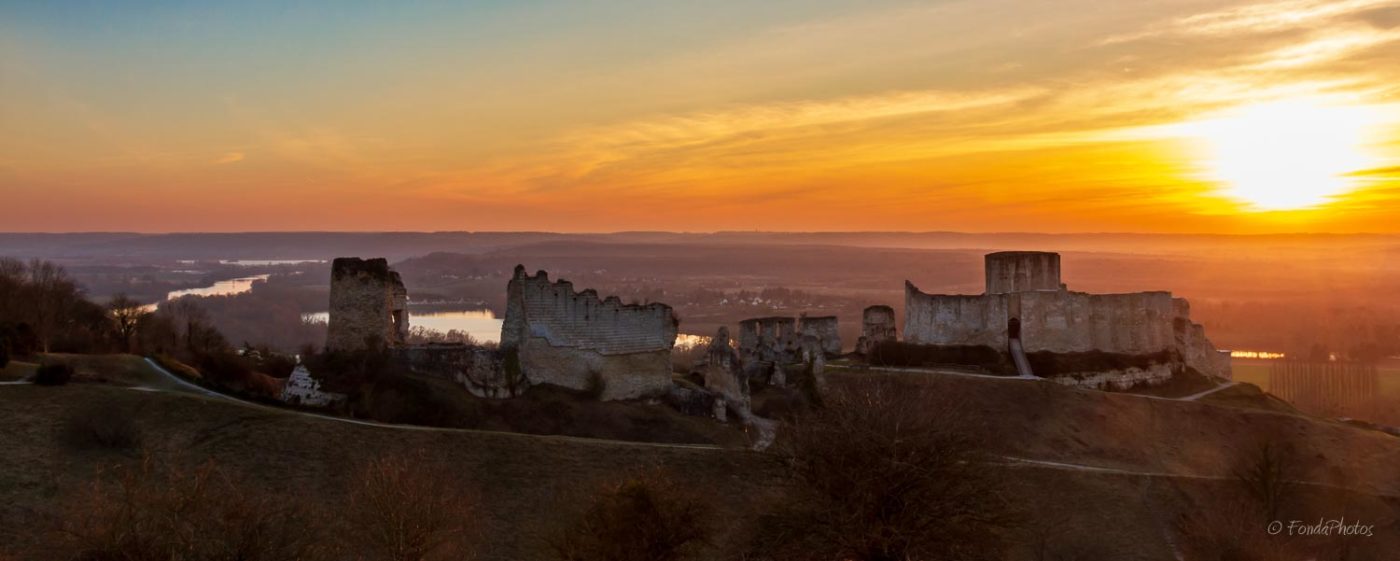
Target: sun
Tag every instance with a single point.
(1285, 155)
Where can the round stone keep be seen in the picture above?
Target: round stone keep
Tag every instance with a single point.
(1022, 271)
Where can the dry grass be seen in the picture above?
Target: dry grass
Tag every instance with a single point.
(409, 509)
(522, 484)
(104, 426)
(888, 471)
(119, 369)
(156, 512)
(647, 516)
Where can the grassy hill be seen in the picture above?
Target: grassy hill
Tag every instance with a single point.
(1111, 472)
(118, 369)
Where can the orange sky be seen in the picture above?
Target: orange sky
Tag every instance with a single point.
(1067, 116)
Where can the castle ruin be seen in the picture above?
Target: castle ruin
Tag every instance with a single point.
(1026, 303)
(368, 305)
(877, 326)
(579, 341)
(824, 329)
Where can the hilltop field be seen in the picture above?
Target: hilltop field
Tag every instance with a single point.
(1113, 473)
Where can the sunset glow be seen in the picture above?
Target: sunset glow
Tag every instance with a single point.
(1251, 116)
(1289, 154)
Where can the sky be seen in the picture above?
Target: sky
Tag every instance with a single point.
(597, 116)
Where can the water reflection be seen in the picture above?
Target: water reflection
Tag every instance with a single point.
(267, 262)
(221, 288)
(482, 325)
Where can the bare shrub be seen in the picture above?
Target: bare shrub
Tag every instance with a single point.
(646, 517)
(1231, 530)
(150, 511)
(1267, 474)
(408, 509)
(104, 425)
(886, 471)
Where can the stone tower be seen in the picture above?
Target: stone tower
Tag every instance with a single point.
(877, 326)
(369, 305)
(1023, 271)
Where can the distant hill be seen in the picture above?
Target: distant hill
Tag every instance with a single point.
(400, 245)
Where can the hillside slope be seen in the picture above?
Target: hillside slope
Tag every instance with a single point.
(1115, 471)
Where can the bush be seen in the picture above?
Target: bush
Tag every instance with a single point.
(1046, 363)
(646, 517)
(102, 426)
(901, 354)
(225, 369)
(151, 511)
(53, 374)
(886, 472)
(407, 509)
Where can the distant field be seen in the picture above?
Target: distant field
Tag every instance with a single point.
(1257, 372)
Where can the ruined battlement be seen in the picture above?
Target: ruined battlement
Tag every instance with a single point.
(577, 340)
(553, 311)
(368, 305)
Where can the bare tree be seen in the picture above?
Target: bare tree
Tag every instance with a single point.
(192, 326)
(886, 471)
(648, 516)
(1267, 475)
(408, 509)
(13, 277)
(126, 314)
(51, 293)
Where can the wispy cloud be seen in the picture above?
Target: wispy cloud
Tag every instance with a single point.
(1255, 18)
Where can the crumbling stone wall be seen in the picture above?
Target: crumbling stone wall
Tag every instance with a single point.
(479, 370)
(877, 326)
(1198, 352)
(576, 340)
(825, 329)
(772, 340)
(1065, 322)
(368, 304)
(720, 372)
(938, 319)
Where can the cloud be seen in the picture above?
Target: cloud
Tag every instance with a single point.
(1256, 18)
(230, 158)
